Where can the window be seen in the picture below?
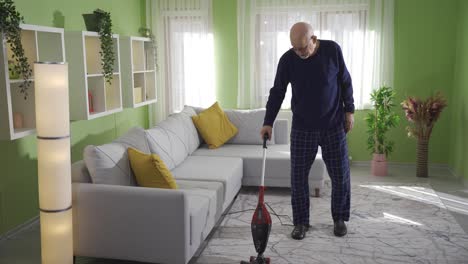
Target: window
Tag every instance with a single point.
(189, 60)
(347, 22)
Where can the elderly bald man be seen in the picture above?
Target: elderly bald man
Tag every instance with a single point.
(322, 105)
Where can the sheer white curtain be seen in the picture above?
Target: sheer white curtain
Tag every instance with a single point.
(185, 43)
(363, 28)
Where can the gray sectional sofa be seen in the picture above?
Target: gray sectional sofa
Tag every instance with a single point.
(114, 218)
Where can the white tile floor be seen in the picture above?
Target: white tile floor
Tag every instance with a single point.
(451, 191)
(24, 248)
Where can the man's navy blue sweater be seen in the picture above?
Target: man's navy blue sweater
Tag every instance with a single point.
(321, 88)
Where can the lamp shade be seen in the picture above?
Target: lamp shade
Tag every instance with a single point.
(51, 93)
(53, 162)
(54, 171)
(57, 237)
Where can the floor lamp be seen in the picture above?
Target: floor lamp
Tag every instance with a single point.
(53, 158)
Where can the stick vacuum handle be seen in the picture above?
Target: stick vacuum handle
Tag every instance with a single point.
(265, 138)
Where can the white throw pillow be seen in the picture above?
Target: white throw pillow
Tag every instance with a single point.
(249, 123)
(197, 111)
(174, 138)
(109, 164)
(189, 134)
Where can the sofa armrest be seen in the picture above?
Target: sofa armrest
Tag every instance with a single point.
(128, 222)
(280, 131)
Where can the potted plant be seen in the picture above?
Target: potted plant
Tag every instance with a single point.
(379, 122)
(101, 22)
(422, 116)
(10, 20)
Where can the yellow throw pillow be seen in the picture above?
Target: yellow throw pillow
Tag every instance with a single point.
(214, 126)
(150, 170)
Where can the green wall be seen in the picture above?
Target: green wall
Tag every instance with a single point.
(18, 183)
(424, 63)
(424, 59)
(225, 44)
(459, 117)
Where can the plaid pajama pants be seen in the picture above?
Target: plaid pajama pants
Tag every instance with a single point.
(304, 145)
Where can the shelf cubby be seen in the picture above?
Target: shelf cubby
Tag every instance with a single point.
(138, 72)
(17, 114)
(113, 95)
(88, 88)
(150, 81)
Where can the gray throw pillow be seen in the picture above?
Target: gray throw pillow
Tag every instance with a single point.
(109, 164)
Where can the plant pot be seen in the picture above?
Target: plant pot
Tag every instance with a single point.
(145, 32)
(423, 153)
(91, 22)
(379, 165)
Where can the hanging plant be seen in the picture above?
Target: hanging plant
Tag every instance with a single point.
(104, 26)
(10, 20)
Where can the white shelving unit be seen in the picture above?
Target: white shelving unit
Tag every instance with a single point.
(138, 71)
(90, 95)
(40, 44)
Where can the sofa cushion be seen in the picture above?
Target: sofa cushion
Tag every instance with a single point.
(214, 126)
(150, 170)
(227, 170)
(249, 123)
(189, 134)
(278, 164)
(109, 164)
(80, 173)
(174, 138)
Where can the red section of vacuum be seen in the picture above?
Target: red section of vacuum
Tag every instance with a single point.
(261, 224)
(261, 221)
(261, 215)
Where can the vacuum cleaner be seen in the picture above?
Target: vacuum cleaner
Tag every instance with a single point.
(261, 220)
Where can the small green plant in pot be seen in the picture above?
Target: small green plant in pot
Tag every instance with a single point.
(379, 122)
(101, 22)
(18, 65)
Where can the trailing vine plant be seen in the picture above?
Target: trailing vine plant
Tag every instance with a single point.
(104, 23)
(10, 20)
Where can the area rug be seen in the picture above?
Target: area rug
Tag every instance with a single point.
(397, 223)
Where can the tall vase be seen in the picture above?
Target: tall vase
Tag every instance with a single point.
(423, 151)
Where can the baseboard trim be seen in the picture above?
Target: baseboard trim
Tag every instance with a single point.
(18, 229)
(452, 173)
(458, 176)
(401, 164)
